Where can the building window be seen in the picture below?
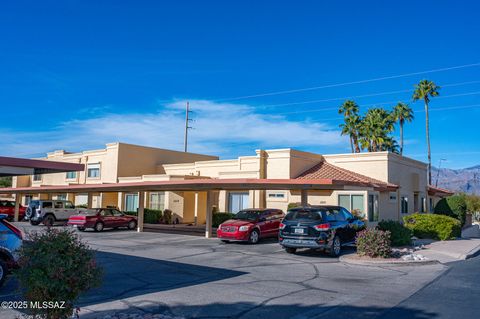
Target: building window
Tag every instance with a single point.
(372, 208)
(37, 177)
(93, 170)
(393, 197)
(28, 199)
(423, 206)
(354, 203)
(276, 195)
(157, 201)
(404, 205)
(237, 202)
(61, 197)
(131, 202)
(71, 175)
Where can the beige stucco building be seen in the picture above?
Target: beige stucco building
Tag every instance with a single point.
(378, 185)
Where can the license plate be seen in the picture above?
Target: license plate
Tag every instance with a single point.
(299, 242)
(299, 230)
(75, 226)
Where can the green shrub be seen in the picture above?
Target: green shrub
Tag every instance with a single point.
(399, 234)
(56, 266)
(433, 226)
(293, 205)
(218, 218)
(150, 216)
(167, 217)
(374, 243)
(454, 206)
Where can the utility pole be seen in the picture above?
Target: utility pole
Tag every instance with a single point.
(187, 127)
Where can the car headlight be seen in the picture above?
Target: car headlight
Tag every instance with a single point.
(243, 228)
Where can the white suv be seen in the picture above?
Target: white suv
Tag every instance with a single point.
(49, 211)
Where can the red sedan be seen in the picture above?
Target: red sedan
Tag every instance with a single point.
(251, 225)
(7, 207)
(101, 218)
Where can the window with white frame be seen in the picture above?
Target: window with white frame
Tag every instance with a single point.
(423, 207)
(372, 208)
(93, 170)
(71, 175)
(157, 201)
(404, 205)
(276, 195)
(131, 202)
(392, 196)
(352, 202)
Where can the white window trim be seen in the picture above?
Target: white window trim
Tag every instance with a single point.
(99, 170)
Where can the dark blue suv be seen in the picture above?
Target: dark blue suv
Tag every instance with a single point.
(326, 228)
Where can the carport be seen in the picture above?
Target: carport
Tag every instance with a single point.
(13, 166)
(205, 185)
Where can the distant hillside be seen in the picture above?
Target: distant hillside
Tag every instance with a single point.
(460, 180)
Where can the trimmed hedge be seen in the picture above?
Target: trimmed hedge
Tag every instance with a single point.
(433, 226)
(454, 206)
(218, 218)
(150, 216)
(399, 234)
(373, 243)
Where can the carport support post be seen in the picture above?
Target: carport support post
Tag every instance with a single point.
(141, 204)
(208, 226)
(17, 207)
(304, 197)
(89, 200)
(195, 218)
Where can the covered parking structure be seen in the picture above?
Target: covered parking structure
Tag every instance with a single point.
(13, 166)
(204, 185)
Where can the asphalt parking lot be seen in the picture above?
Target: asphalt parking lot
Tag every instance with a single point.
(194, 277)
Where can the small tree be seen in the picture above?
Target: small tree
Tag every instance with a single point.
(454, 206)
(56, 266)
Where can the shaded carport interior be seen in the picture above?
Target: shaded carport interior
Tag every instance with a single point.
(207, 185)
(13, 166)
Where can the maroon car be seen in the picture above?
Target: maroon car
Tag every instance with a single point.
(7, 207)
(250, 225)
(101, 218)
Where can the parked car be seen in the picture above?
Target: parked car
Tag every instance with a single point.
(326, 228)
(251, 225)
(7, 207)
(10, 241)
(49, 211)
(101, 218)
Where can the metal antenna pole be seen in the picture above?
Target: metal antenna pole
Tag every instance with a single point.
(438, 172)
(187, 120)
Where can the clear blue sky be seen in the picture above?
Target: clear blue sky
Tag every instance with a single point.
(78, 74)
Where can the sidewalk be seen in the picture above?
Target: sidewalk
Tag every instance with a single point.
(451, 250)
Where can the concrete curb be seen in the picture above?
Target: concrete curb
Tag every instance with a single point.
(472, 253)
(375, 263)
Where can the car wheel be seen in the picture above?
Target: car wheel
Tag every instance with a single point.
(98, 227)
(254, 237)
(49, 220)
(336, 248)
(132, 225)
(291, 250)
(34, 222)
(225, 241)
(3, 271)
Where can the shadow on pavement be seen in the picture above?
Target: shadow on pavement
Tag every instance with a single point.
(252, 310)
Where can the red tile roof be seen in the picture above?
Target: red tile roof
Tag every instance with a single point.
(432, 191)
(324, 170)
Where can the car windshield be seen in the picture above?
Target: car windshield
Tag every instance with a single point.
(247, 215)
(307, 214)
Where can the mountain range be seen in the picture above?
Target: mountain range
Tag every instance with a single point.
(465, 180)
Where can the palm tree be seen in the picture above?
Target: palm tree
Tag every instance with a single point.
(402, 113)
(424, 90)
(351, 127)
(349, 109)
(375, 129)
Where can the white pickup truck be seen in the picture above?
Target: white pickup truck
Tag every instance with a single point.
(49, 211)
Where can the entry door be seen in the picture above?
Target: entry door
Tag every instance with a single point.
(237, 201)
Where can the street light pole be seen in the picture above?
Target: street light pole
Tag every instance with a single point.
(187, 120)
